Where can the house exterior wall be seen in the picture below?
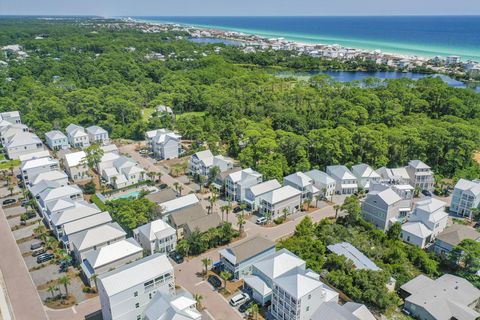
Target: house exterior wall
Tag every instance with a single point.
(286, 307)
(80, 254)
(101, 138)
(292, 204)
(413, 239)
(15, 152)
(442, 248)
(463, 202)
(30, 175)
(57, 144)
(418, 312)
(77, 173)
(377, 212)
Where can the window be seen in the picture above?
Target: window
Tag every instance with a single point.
(139, 317)
(135, 294)
(137, 305)
(308, 308)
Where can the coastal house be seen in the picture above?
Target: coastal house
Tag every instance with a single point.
(123, 172)
(78, 210)
(452, 236)
(98, 135)
(161, 109)
(56, 140)
(236, 183)
(193, 218)
(426, 222)
(109, 257)
(365, 175)
(75, 166)
(22, 143)
(302, 182)
(8, 130)
(34, 155)
(280, 202)
(163, 143)
(238, 259)
(32, 168)
(383, 208)
(93, 239)
(253, 193)
(75, 227)
(11, 116)
(127, 291)
(57, 176)
(57, 192)
(421, 176)
(394, 176)
(346, 182)
(448, 297)
(77, 137)
(166, 306)
(348, 311)
(322, 182)
(171, 206)
(465, 197)
(202, 162)
(156, 236)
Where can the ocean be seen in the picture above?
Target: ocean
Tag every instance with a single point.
(426, 36)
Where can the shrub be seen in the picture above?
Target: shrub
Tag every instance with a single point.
(279, 220)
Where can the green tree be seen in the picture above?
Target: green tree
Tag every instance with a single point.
(65, 281)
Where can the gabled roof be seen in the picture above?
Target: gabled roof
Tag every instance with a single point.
(134, 273)
(418, 164)
(50, 176)
(73, 128)
(247, 249)
(95, 236)
(111, 148)
(298, 285)
(204, 156)
(79, 210)
(299, 179)
(23, 139)
(167, 307)
(75, 158)
(96, 130)
(34, 155)
(430, 205)
(55, 135)
(279, 263)
(334, 311)
(203, 223)
(469, 186)
(417, 228)
(388, 196)
(162, 195)
(161, 136)
(35, 163)
(257, 284)
(162, 108)
(241, 175)
(124, 162)
(42, 186)
(60, 192)
(60, 204)
(280, 194)
(113, 252)
(341, 172)
(180, 202)
(183, 215)
(320, 177)
(264, 187)
(359, 310)
(454, 234)
(363, 170)
(360, 261)
(154, 228)
(73, 227)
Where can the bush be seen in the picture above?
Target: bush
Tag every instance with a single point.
(89, 188)
(279, 220)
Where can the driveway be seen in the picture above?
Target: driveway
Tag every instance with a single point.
(24, 232)
(46, 274)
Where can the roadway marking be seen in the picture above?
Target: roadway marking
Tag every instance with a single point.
(74, 310)
(209, 314)
(199, 283)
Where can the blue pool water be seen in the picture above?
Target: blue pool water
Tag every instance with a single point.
(133, 194)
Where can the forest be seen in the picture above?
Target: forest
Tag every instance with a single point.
(92, 71)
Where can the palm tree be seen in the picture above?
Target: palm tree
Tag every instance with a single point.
(212, 200)
(65, 280)
(268, 215)
(241, 222)
(11, 188)
(222, 209)
(228, 208)
(180, 188)
(52, 289)
(318, 197)
(285, 212)
(253, 311)
(336, 208)
(11, 169)
(175, 185)
(114, 180)
(225, 275)
(198, 299)
(206, 262)
(159, 176)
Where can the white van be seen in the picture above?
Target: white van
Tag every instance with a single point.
(239, 299)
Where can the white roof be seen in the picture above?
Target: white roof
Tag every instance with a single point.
(79, 210)
(341, 172)
(364, 171)
(257, 284)
(359, 310)
(280, 194)
(110, 172)
(135, 273)
(71, 128)
(96, 130)
(178, 203)
(95, 236)
(299, 179)
(162, 108)
(418, 164)
(388, 195)
(42, 186)
(167, 307)
(50, 176)
(113, 252)
(360, 261)
(417, 228)
(162, 135)
(264, 187)
(320, 177)
(205, 156)
(75, 158)
(109, 156)
(298, 285)
(467, 185)
(86, 223)
(60, 204)
(430, 205)
(55, 134)
(60, 192)
(279, 263)
(35, 163)
(154, 229)
(109, 148)
(238, 176)
(23, 139)
(34, 155)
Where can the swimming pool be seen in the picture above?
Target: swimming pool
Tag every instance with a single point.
(133, 194)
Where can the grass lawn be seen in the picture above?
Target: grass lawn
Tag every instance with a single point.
(8, 164)
(2, 157)
(198, 113)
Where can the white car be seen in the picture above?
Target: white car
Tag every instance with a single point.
(261, 220)
(239, 299)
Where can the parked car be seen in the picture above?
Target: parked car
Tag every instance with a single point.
(163, 186)
(261, 220)
(426, 193)
(239, 299)
(237, 210)
(45, 257)
(477, 225)
(8, 201)
(244, 307)
(36, 245)
(215, 281)
(38, 252)
(176, 256)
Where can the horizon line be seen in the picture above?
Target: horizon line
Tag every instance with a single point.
(238, 16)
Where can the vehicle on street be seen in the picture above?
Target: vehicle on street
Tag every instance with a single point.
(426, 193)
(8, 201)
(215, 281)
(239, 299)
(244, 307)
(237, 210)
(176, 256)
(25, 202)
(36, 245)
(45, 257)
(38, 252)
(477, 225)
(261, 220)
(163, 186)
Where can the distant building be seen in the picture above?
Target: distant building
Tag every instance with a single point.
(452, 236)
(32, 168)
(21, 144)
(56, 140)
(452, 60)
(282, 201)
(164, 144)
(322, 182)
(123, 172)
(75, 166)
(420, 175)
(466, 196)
(98, 135)
(11, 116)
(303, 183)
(253, 193)
(346, 182)
(8, 131)
(448, 297)
(77, 137)
(365, 175)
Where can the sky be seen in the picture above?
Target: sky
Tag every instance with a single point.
(111, 8)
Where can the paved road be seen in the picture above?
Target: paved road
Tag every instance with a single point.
(22, 294)
(77, 312)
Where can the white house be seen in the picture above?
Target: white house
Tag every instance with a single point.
(98, 135)
(7, 131)
(163, 143)
(34, 155)
(110, 257)
(346, 182)
(156, 236)
(22, 143)
(75, 227)
(365, 175)
(282, 201)
(394, 176)
(426, 222)
(93, 239)
(348, 311)
(78, 210)
(465, 197)
(236, 183)
(77, 137)
(323, 182)
(302, 182)
(11, 116)
(253, 193)
(32, 168)
(171, 206)
(126, 292)
(201, 162)
(123, 172)
(166, 306)
(56, 140)
(163, 109)
(57, 176)
(48, 195)
(421, 176)
(75, 167)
